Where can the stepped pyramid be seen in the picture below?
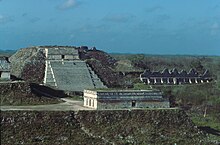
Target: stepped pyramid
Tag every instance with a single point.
(65, 71)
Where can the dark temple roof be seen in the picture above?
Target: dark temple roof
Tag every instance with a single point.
(206, 74)
(166, 73)
(193, 73)
(174, 73)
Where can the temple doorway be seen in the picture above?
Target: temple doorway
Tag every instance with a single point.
(133, 104)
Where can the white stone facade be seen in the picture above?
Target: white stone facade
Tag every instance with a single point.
(122, 99)
(5, 75)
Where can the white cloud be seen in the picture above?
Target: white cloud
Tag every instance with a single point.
(68, 4)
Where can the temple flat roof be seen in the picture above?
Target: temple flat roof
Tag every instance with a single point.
(62, 51)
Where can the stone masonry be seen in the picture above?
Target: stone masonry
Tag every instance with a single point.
(122, 99)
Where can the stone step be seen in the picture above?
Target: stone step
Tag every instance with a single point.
(95, 77)
(50, 80)
(49, 71)
(72, 76)
(96, 80)
(49, 76)
(50, 83)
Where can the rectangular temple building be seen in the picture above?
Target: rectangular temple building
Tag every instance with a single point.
(122, 99)
(174, 77)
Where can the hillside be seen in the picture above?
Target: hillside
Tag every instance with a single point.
(100, 127)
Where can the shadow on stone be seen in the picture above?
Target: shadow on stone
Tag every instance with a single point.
(47, 91)
(14, 78)
(209, 130)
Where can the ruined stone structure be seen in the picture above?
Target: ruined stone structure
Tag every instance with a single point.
(61, 53)
(175, 77)
(122, 99)
(65, 71)
(4, 68)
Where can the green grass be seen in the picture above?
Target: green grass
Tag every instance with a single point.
(210, 120)
(198, 94)
(141, 86)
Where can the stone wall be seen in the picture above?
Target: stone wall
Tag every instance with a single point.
(54, 57)
(132, 104)
(60, 57)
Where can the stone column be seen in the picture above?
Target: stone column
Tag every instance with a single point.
(174, 81)
(148, 81)
(190, 81)
(155, 80)
(141, 79)
(92, 103)
(184, 80)
(168, 80)
(202, 81)
(85, 101)
(196, 81)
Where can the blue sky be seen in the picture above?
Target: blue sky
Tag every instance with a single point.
(126, 26)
